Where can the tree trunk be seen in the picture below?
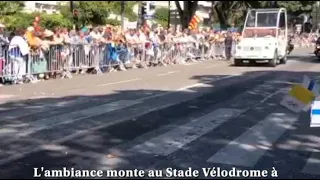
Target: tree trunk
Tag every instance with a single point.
(189, 9)
(221, 17)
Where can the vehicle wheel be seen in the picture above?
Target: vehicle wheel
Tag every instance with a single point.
(284, 60)
(237, 62)
(273, 62)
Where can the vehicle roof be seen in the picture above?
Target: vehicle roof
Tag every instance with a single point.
(267, 10)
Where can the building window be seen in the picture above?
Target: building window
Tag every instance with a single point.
(44, 7)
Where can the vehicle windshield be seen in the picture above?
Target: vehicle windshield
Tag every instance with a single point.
(261, 23)
(262, 19)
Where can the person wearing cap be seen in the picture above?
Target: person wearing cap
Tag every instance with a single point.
(31, 38)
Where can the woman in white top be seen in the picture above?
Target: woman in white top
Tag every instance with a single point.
(18, 49)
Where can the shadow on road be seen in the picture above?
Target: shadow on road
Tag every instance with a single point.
(106, 147)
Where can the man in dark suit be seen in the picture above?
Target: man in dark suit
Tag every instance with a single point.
(228, 45)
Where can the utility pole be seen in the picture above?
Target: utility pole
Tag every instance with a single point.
(122, 15)
(74, 13)
(317, 17)
(169, 13)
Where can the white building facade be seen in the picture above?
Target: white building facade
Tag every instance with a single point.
(49, 7)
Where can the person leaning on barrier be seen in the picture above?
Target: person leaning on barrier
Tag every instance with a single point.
(3, 43)
(31, 38)
(18, 50)
(228, 45)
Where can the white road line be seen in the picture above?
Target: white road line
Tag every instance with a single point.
(192, 63)
(168, 73)
(68, 118)
(248, 148)
(186, 88)
(212, 66)
(119, 82)
(4, 97)
(175, 139)
(312, 165)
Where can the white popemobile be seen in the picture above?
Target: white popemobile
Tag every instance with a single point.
(264, 37)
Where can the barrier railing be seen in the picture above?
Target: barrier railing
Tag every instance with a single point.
(63, 60)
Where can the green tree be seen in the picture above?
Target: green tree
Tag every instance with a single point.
(24, 20)
(18, 20)
(161, 15)
(10, 7)
(186, 13)
(50, 21)
(224, 11)
(235, 11)
(115, 7)
(294, 8)
(113, 22)
(90, 12)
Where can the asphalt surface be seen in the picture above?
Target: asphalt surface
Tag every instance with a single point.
(201, 115)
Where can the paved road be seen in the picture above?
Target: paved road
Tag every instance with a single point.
(201, 115)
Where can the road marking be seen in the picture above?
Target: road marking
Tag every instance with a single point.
(168, 73)
(175, 139)
(191, 63)
(248, 148)
(212, 66)
(119, 82)
(312, 165)
(186, 88)
(101, 85)
(47, 123)
(7, 96)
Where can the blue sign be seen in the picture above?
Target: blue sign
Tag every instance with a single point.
(148, 16)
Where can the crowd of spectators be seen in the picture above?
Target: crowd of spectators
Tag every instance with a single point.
(29, 42)
(23, 42)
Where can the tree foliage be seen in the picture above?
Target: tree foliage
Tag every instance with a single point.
(54, 20)
(161, 16)
(113, 22)
(90, 12)
(10, 7)
(229, 12)
(296, 8)
(97, 12)
(24, 20)
(115, 7)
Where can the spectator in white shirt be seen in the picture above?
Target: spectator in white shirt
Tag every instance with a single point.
(130, 36)
(95, 34)
(142, 37)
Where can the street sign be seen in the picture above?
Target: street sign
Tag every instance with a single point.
(148, 16)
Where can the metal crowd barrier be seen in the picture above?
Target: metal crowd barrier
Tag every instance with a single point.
(66, 59)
